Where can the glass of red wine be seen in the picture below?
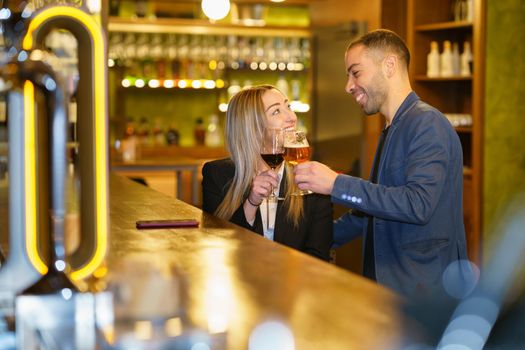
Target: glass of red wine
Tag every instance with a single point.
(272, 151)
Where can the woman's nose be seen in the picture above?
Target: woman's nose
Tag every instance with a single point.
(292, 116)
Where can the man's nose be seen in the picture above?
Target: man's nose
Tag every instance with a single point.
(349, 87)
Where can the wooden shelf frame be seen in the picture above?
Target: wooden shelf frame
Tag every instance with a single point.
(458, 94)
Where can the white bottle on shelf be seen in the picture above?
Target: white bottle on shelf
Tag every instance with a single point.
(446, 65)
(455, 59)
(469, 16)
(466, 60)
(433, 60)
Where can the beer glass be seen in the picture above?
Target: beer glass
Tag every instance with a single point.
(296, 150)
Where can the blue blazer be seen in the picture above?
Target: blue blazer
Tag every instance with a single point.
(416, 204)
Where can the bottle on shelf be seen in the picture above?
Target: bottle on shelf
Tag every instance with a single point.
(129, 142)
(143, 132)
(170, 54)
(183, 50)
(282, 85)
(296, 90)
(466, 60)
(469, 16)
(446, 65)
(456, 65)
(114, 7)
(233, 53)
(305, 53)
(213, 137)
(172, 135)
(199, 133)
(458, 10)
(158, 136)
(433, 60)
(157, 55)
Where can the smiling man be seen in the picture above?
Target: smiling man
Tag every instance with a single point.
(410, 210)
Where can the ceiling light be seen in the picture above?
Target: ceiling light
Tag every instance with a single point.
(215, 9)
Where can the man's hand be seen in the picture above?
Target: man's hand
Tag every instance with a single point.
(315, 176)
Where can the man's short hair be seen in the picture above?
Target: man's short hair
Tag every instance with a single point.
(386, 41)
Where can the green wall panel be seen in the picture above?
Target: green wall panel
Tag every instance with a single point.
(504, 139)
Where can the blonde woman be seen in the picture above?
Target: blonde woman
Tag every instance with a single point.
(236, 188)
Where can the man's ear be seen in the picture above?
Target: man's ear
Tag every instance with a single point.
(390, 63)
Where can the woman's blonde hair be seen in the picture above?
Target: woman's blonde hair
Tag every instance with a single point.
(245, 123)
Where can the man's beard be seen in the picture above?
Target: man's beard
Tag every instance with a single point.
(376, 94)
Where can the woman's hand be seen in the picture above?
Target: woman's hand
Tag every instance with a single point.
(262, 186)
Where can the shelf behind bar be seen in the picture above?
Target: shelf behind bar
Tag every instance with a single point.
(198, 27)
(442, 79)
(444, 26)
(463, 129)
(467, 172)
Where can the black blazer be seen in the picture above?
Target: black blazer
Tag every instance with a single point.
(314, 232)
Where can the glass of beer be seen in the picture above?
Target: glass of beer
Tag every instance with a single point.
(296, 150)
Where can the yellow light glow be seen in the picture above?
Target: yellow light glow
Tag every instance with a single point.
(30, 178)
(99, 65)
(154, 83)
(219, 83)
(209, 84)
(196, 84)
(223, 107)
(169, 83)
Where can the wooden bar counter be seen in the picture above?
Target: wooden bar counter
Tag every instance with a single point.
(231, 280)
(236, 279)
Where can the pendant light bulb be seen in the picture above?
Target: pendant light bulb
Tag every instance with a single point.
(215, 9)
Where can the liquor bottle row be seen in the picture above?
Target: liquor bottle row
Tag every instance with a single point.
(143, 134)
(449, 62)
(459, 119)
(183, 56)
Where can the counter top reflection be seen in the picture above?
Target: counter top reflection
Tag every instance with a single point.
(236, 279)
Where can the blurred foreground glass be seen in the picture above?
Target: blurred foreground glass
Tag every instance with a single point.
(150, 304)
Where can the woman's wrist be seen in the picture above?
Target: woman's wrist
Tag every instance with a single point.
(253, 204)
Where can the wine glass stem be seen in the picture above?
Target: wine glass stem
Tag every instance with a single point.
(267, 215)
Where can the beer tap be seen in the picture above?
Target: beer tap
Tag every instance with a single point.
(45, 137)
(37, 148)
